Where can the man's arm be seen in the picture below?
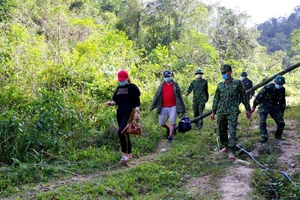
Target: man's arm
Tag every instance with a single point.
(190, 89)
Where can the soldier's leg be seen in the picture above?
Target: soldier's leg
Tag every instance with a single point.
(263, 126)
(196, 112)
(222, 125)
(278, 118)
(201, 109)
(232, 120)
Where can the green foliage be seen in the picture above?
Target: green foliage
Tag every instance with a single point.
(231, 38)
(58, 66)
(276, 32)
(272, 185)
(6, 7)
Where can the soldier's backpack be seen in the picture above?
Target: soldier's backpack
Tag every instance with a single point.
(184, 124)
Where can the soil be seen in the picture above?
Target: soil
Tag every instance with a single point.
(234, 185)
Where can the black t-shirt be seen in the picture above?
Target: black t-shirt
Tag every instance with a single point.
(127, 96)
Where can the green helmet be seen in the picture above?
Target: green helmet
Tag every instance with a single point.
(199, 71)
(244, 74)
(280, 80)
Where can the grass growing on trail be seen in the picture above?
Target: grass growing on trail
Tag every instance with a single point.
(156, 174)
(270, 184)
(163, 178)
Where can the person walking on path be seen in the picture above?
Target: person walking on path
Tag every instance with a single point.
(227, 98)
(127, 98)
(200, 95)
(168, 102)
(248, 84)
(271, 100)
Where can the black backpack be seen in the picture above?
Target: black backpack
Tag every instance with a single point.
(184, 124)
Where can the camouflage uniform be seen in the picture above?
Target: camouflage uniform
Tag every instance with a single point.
(200, 97)
(271, 101)
(247, 85)
(226, 105)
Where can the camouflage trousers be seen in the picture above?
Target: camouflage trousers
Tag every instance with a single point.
(227, 124)
(276, 114)
(198, 110)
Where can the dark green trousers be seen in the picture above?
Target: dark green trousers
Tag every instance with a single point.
(227, 124)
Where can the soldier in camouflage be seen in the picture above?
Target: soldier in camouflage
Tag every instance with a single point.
(200, 95)
(247, 84)
(271, 100)
(226, 102)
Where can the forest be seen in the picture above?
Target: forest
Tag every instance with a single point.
(277, 34)
(58, 67)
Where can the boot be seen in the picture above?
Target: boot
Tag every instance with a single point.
(278, 135)
(263, 140)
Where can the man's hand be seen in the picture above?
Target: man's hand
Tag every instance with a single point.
(212, 117)
(253, 109)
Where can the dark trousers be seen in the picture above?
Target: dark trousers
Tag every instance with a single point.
(123, 115)
(277, 115)
(225, 122)
(198, 110)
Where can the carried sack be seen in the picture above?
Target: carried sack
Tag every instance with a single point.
(184, 124)
(132, 127)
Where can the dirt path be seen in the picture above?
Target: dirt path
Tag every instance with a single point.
(234, 185)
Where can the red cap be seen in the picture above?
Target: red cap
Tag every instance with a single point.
(122, 75)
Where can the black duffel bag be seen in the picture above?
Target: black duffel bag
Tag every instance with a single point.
(184, 124)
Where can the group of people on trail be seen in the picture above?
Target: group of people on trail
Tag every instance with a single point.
(168, 101)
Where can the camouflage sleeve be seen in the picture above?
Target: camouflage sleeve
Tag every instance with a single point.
(190, 89)
(283, 101)
(243, 96)
(259, 97)
(216, 100)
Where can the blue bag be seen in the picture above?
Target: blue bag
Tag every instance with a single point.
(184, 124)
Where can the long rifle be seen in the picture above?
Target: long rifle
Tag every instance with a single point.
(254, 88)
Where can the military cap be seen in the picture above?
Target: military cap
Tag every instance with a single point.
(225, 68)
(244, 74)
(199, 71)
(280, 80)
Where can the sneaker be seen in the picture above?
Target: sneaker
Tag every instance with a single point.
(263, 140)
(231, 156)
(224, 150)
(168, 133)
(124, 159)
(170, 138)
